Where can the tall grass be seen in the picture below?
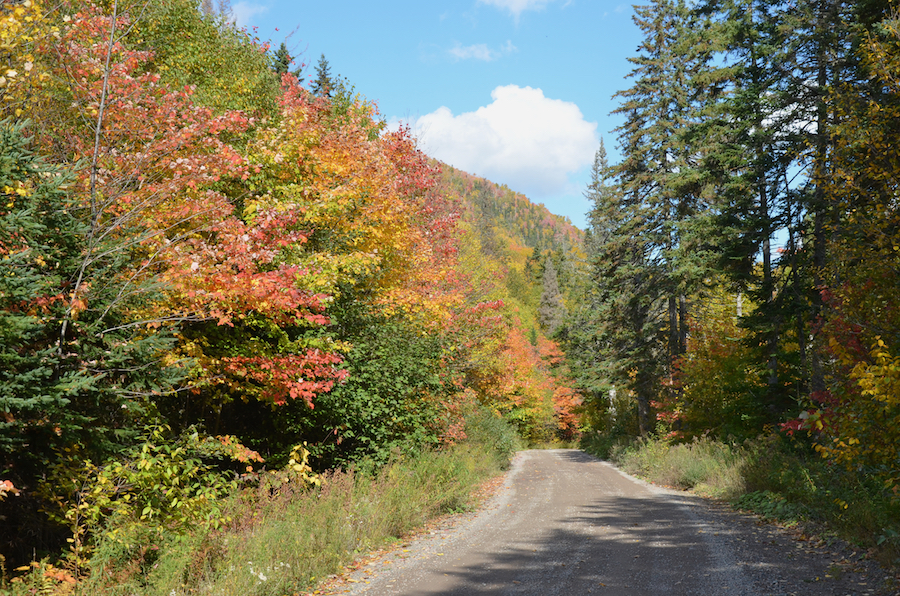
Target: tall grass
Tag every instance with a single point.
(709, 467)
(287, 540)
(283, 539)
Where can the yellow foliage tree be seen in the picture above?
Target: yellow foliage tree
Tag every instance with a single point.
(362, 195)
(857, 420)
(22, 26)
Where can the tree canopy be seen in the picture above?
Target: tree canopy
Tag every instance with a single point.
(741, 251)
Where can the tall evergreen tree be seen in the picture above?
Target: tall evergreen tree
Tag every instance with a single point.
(774, 143)
(823, 56)
(39, 242)
(551, 310)
(646, 248)
(753, 127)
(731, 145)
(614, 339)
(660, 154)
(281, 60)
(323, 84)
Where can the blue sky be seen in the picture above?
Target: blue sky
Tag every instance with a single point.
(517, 91)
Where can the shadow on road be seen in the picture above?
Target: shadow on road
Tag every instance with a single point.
(576, 456)
(571, 525)
(614, 545)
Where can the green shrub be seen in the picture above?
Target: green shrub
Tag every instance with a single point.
(485, 427)
(787, 480)
(604, 445)
(772, 506)
(156, 491)
(778, 478)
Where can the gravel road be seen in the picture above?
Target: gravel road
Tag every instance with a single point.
(565, 523)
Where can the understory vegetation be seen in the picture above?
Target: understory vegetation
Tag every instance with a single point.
(286, 531)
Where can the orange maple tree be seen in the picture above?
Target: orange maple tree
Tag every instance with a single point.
(155, 191)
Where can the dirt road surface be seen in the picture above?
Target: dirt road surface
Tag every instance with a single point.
(565, 523)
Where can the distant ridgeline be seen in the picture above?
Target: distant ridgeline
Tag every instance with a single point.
(495, 205)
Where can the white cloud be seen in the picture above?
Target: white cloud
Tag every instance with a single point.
(481, 51)
(517, 7)
(523, 139)
(242, 12)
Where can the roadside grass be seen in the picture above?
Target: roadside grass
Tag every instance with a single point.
(708, 467)
(285, 538)
(775, 477)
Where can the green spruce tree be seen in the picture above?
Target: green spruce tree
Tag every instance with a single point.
(650, 255)
(551, 310)
(282, 60)
(615, 337)
(323, 85)
(72, 372)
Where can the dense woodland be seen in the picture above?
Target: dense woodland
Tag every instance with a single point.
(220, 269)
(744, 252)
(215, 267)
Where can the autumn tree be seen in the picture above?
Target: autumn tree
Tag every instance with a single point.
(855, 417)
(499, 355)
(24, 26)
(225, 67)
(117, 258)
(162, 247)
(720, 378)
